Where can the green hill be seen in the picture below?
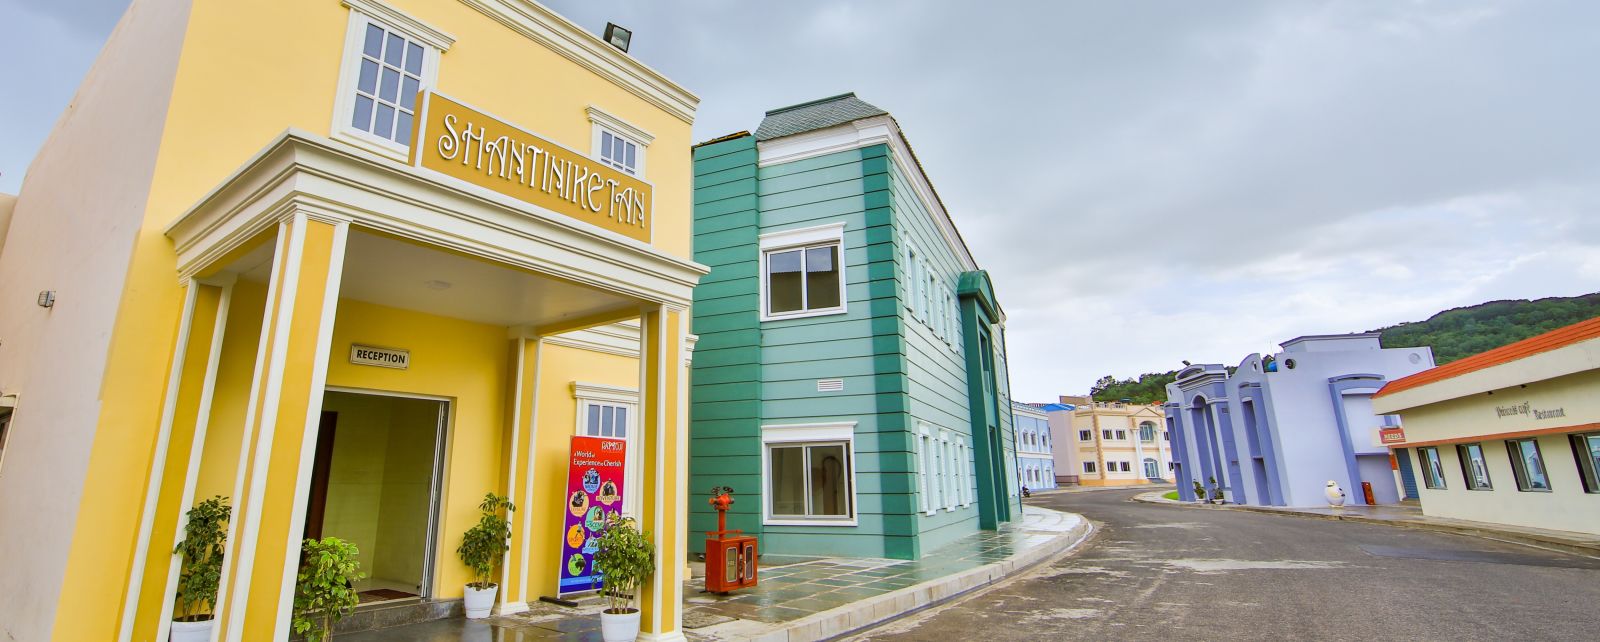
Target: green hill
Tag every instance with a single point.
(1453, 334)
(1463, 332)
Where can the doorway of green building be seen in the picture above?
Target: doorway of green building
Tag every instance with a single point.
(375, 483)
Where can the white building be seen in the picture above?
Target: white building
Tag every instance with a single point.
(1036, 467)
(1510, 436)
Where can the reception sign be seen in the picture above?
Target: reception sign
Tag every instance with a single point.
(594, 492)
(461, 142)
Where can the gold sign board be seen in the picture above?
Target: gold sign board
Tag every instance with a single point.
(459, 141)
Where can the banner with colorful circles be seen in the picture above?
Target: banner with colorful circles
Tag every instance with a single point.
(594, 493)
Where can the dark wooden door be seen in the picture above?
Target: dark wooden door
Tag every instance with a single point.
(317, 502)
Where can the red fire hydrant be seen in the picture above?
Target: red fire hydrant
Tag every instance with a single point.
(730, 555)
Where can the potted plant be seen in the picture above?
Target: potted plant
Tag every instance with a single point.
(482, 548)
(1199, 492)
(1216, 493)
(324, 590)
(204, 534)
(625, 559)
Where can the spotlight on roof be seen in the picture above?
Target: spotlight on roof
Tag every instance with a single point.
(618, 37)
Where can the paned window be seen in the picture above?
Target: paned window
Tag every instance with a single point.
(1147, 431)
(803, 273)
(949, 477)
(809, 480)
(1105, 433)
(1084, 435)
(1474, 466)
(1122, 435)
(1166, 435)
(1586, 449)
(1432, 467)
(609, 411)
(1527, 465)
(388, 77)
(619, 152)
(5, 431)
(1124, 466)
(932, 486)
(1088, 466)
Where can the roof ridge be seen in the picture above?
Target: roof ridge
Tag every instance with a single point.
(1537, 344)
(809, 103)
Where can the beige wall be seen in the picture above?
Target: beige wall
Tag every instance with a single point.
(72, 231)
(1474, 418)
(1125, 417)
(8, 203)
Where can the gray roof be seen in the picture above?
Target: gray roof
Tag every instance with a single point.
(814, 115)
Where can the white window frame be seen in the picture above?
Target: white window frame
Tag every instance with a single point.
(951, 486)
(590, 394)
(434, 43)
(1089, 468)
(924, 496)
(911, 278)
(965, 469)
(601, 121)
(796, 239)
(928, 462)
(807, 434)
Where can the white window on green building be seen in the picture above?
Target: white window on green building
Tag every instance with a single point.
(802, 272)
(809, 474)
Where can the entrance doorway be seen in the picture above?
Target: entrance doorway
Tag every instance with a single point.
(375, 483)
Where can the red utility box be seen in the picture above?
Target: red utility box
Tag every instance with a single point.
(730, 555)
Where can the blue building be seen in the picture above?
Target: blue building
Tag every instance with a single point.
(1036, 466)
(1275, 430)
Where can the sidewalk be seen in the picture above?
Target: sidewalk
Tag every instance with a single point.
(1411, 517)
(804, 599)
(823, 598)
(1164, 487)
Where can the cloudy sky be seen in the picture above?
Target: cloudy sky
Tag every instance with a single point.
(1146, 181)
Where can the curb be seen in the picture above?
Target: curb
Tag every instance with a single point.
(1510, 537)
(882, 608)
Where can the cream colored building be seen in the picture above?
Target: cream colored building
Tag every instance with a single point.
(1511, 435)
(1116, 443)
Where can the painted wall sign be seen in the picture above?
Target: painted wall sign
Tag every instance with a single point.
(467, 144)
(1392, 435)
(1525, 408)
(594, 493)
(381, 357)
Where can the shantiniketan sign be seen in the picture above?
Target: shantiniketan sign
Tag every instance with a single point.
(464, 143)
(594, 493)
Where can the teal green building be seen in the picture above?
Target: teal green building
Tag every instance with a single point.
(850, 378)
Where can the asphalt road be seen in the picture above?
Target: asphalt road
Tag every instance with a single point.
(1162, 571)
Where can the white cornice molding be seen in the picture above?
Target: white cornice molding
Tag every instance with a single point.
(620, 339)
(572, 42)
(620, 126)
(1583, 356)
(604, 392)
(398, 19)
(302, 172)
(864, 133)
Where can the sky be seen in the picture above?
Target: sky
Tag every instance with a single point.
(1146, 181)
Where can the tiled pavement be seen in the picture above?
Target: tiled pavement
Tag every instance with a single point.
(806, 599)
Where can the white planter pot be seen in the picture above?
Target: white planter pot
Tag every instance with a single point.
(480, 602)
(619, 627)
(192, 631)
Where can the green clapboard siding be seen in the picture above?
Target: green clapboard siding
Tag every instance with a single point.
(900, 376)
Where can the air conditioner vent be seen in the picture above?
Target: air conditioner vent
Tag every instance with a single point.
(830, 385)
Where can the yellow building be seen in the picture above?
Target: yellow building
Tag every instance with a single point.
(351, 264)
(1118, 444)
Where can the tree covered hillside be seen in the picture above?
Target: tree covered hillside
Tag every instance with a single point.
(1463, 332)
(1453, 334)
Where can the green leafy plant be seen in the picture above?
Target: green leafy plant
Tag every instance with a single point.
(324, 590)
(625, 559)
(204, 534)
(1216, 492)
(484, 545)
(1199, 491)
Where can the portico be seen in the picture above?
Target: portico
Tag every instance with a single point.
(312, 248)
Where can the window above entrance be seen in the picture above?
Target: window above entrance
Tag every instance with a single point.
(618, 143)
(388, 58)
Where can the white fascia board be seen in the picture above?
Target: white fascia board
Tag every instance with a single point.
(303, 172)
(562, 36)
(863, 133)
(1572, 359)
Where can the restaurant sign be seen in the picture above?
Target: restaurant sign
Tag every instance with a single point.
(464, 143)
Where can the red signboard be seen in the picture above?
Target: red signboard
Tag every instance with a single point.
(594, 493)
(1396, 435)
